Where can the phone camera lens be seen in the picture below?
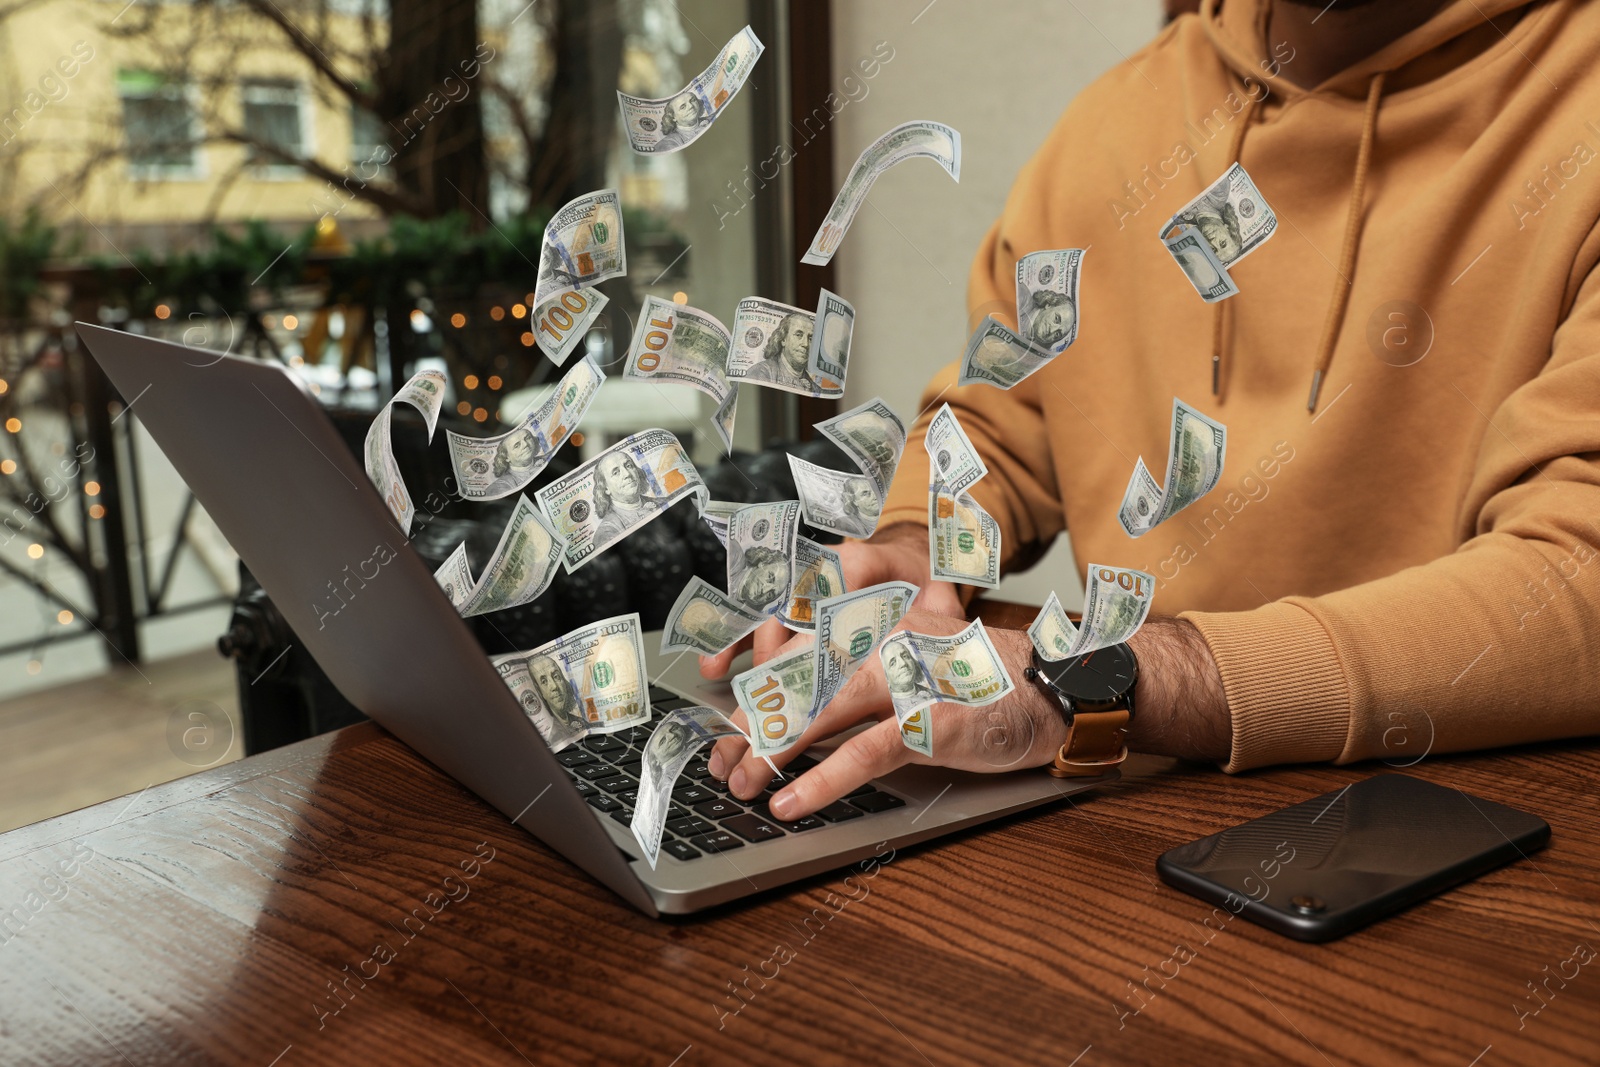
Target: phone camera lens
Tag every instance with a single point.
(1308, 905)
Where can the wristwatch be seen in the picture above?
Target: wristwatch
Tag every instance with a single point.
(1096, 695)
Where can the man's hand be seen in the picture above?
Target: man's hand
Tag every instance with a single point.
(1180, 710)
(894, 553)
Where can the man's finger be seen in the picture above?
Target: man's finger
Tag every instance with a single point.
(870, 754)
(717, 667)
(769, 637)
(941, 598)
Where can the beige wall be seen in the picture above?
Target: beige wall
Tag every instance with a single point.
(1001, 73)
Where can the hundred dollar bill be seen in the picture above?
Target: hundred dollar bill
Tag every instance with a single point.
(963, 540)
(488, 468)
(780, 698)
(618, 491)
(906, 141)
(521, 567)
(679, 736)
(1047, 298)
(590, 681)
(560, 322)
(1197, 446)
(873, 436)
(956, 465)
(673, 123)
(1116, 604)
(1217, 229)
(706, 620)
(716, 514)
(818, 575)
(674, 343)
(780, 347)
(455, 576)
(996, 356)
(425, 392)
(829, 355)
(761, 548)
(924, 669)
(583, 246)
(916, 731)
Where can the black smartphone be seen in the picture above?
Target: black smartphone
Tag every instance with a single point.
(1326, 867)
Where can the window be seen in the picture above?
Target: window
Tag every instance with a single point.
(158, 121)
(369, 142)
(272, 117)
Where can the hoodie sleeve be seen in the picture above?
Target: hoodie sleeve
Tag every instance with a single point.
(1493, 644)
(1005, 425)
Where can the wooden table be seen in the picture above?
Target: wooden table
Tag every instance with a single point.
(210, 919)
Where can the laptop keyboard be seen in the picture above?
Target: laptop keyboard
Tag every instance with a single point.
(704, 816)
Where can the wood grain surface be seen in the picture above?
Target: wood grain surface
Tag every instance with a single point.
(211, 920)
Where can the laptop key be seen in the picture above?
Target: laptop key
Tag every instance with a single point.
(617, 783)
(658, 694)
(627, 761)
(629, 797)
(720, 841)
(800, 764)
(680, 849)
(633, 735)
(691, 795)
(601, 802)
(805, 822)
(690, 826)
(697, 770)
(752, 827)
(600, 744)
(860, 791)
(718, 809)
(574, 756)
(585, 789)
(876, 801)
(590, 771)
(838, 811)
(623, 816)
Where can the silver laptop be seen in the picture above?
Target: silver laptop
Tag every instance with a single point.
(273, 472)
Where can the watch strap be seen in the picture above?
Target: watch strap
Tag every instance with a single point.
(1096, 742)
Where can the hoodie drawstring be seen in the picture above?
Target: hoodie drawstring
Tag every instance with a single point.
(1352, 241)
(1218, 321)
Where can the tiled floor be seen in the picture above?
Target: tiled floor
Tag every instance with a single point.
(78, 744)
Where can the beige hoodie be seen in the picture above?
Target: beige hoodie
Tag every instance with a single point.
(1410, 564)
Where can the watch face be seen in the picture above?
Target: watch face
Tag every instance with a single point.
(1100, 677)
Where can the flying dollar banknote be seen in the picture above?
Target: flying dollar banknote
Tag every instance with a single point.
(963, 538)
(996, 356)
(925, 669)
(1116, 603)
(1217, 229)
(583, 246)
(488, 468)
(425, 392)
(1047, 298)
(782, 697)
(761, 551)
(618, 491)
(874, 438)
(522, 566)
(590, 681)
(674, 123)
(706, 620)
(818, 575)
(780, 346)
(934, 140)
(1197, 446)
(676, 343)
(676, 739)
(560, 322)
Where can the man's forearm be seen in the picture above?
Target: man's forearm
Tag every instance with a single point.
(1180, 708)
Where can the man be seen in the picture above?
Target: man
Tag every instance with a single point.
(556, 692)
(1393, 541)
(621, 497)
(784, 361)
(907, 686)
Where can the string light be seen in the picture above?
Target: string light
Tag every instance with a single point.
(163, 312)
(494, 381)
(97, 511)
(269, 321)
(480, 414)
(527, 340)
(63, 616)
(13, 424)
(35, 551)
(463, 408)
(34, 666)
(680, 297)
(291, 322)
(91, 488)
(497, 313)
(8, 466)
(519, 311)
(4, 386)
(470, 381)
(458, 320)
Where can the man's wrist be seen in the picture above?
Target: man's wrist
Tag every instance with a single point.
(1180, 707)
